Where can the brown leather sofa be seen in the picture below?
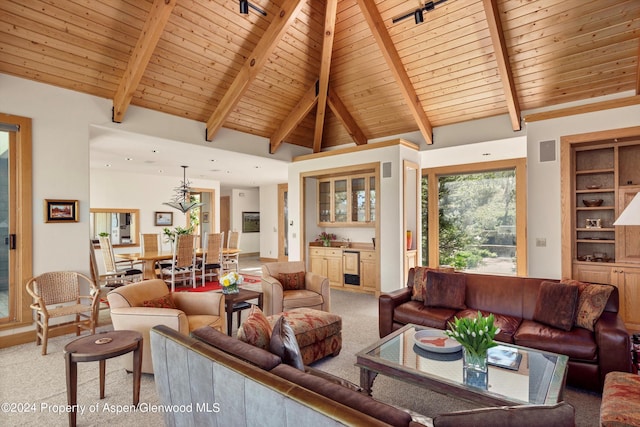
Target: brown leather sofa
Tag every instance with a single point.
(229, 382)
(513, 301)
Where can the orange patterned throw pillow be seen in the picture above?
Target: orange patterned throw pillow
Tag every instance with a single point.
(165, 301)
(256, 330)
(292, 281)
(592, 299)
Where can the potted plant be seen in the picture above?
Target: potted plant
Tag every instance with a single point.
(476, 335)
(326, 238)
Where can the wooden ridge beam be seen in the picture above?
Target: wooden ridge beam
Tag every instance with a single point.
(502, 58)
(582, 109)
(388, 50)
(253, 65)
(347, 120)
(325, 68)
(299, 112)
(141, 55)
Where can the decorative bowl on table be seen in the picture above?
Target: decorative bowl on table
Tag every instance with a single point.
(592, 203)
(593, 186)
(436, 341)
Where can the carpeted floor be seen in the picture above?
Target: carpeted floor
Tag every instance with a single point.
(36, 387)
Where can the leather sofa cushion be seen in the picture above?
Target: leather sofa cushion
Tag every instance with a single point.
(344, 395)
(556, 305)
(577, 343)
(508, 324)
(415, 312)
(254, 355)
(446, 290)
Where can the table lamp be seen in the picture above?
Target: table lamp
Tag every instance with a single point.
(631, 214)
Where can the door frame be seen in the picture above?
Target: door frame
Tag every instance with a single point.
(283, 227)
(21, 221)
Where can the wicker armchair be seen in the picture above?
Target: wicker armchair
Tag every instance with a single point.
(62, 290)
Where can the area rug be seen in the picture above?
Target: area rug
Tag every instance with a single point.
(215, 285)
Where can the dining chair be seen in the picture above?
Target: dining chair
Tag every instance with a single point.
(230, 260)
(57, 294)
(150, 242)
(112, 266)
(183, 266)
(212, 256)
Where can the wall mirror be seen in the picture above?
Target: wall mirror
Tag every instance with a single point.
(123, 225)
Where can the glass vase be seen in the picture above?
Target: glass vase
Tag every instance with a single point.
(474, 369)
(231, 289)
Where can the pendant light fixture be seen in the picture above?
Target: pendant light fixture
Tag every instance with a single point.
(180, 199)
(245, 5)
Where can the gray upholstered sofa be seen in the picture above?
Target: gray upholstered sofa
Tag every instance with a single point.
(226, 382)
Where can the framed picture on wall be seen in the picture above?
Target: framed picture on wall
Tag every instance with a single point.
(250, 222)
(60, 210)
(164, 218)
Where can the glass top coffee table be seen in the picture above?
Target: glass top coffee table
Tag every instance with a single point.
(539, 377)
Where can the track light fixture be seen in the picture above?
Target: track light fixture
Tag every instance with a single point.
(418, 14)
(245, 5)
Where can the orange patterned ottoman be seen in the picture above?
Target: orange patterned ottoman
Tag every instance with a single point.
(318, 333)
(620, 400)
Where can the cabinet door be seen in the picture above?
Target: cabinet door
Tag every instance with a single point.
(317, 263)
(324, 201)
(340, 203)
(358, 199)
(629, 281)
(334, 271)
(627, 237)
(368, 270)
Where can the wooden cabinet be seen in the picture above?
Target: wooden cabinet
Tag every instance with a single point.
(625, 278)
(600, 252)
(348, 200)
(328, 263)
(368, 270)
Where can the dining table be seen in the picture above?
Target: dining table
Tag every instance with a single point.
(149, 258)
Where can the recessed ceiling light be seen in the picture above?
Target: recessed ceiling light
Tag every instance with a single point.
(108, 165)
(154, 151)
(486, 154)
(129, 159)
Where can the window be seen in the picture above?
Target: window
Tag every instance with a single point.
(479, 226)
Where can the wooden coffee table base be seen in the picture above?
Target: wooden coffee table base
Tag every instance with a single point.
(235, 303)
(100, 347)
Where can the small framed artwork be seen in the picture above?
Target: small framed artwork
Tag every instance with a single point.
(164, 218)
(205, 217)
(593, 223)
(60, 210)
(250, 222)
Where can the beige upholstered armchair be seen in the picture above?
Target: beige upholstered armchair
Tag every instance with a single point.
(313, 292)
(142, 305)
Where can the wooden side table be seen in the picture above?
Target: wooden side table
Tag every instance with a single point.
(235, 303)
(100, 347)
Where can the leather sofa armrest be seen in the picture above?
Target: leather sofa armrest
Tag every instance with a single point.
(142, 319)
(387, 304)
(272, 290)
(614, 347)
(333, 378)
(320, 285)
(211, 303)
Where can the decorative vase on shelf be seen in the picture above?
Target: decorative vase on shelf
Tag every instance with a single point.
(326, 243)
(474, 369)
(409, 240)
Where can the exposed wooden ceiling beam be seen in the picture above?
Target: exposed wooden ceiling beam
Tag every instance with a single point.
(581, 109)
(253, 65)
(346, 118)
(388, 49)
(325, 68)
(299, 112)
(151, 33)
(502, 58)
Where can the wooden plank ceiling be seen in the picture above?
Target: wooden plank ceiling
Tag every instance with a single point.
(322, 73)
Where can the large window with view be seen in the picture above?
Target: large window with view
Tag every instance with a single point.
(473, 218)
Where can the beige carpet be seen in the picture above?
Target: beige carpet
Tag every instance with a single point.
(35, 385)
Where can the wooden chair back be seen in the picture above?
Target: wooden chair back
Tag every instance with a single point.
(234, 240)
(149, 242)
(214, 248)
(184, 251)
(108, 256)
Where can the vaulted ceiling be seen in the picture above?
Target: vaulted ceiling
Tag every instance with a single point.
(322, 73)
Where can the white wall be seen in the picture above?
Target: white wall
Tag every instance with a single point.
(245, 200)
(544, 204)
(269, 225)
(116, 189)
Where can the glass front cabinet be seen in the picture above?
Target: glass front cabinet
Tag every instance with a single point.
(348, 200)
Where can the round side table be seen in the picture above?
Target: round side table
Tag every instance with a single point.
(100, 347)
